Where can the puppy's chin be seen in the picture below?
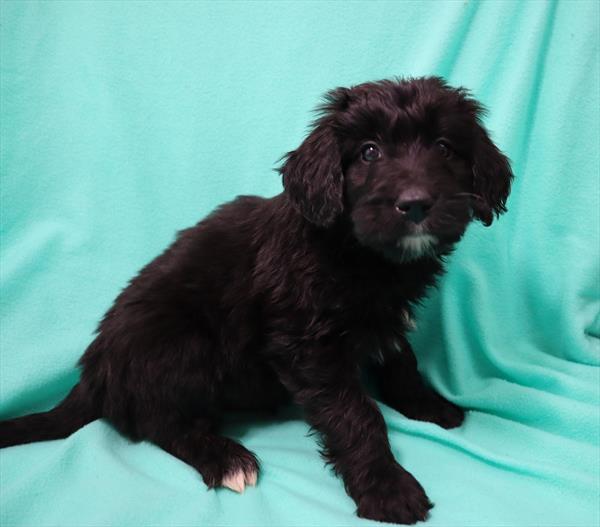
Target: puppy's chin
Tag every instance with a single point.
(407, 242)
(412, 247)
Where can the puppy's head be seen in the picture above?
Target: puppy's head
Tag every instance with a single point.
(407, 162)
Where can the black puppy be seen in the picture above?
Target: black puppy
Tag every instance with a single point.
(289, 297)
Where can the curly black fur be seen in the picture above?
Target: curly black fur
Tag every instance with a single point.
(268, 300)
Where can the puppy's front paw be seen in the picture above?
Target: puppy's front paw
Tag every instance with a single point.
(428, 406)
(396, 498)
(435, 409)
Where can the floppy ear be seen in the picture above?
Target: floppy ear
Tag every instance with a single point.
(492, 178)
(312, 174)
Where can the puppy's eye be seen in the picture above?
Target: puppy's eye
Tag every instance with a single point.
(370, 152)
(444, 148)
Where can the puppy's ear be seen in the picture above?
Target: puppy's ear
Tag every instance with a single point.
(492, 178)
(312, 174)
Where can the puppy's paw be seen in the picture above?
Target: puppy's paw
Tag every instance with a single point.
(396, 498)
(435, 409)
(235, 467)
(431, 407)
(241, 469)
(239, 478)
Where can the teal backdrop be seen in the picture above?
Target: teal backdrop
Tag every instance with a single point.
(123, 122)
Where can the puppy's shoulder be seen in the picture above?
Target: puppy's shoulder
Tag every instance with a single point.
(240, 209)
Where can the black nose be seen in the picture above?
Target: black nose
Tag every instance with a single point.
(415, 204)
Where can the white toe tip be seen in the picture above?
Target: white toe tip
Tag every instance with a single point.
(234, 481)
(238, 480)
(251, 478)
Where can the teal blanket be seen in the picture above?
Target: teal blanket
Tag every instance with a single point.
(123, 122)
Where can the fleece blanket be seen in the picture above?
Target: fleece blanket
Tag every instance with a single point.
(123, 122)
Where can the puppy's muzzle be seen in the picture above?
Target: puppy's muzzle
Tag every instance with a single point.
(414, 204)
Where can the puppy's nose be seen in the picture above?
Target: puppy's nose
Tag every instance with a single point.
(414, 204)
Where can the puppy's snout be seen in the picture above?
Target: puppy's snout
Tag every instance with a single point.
(415, 204)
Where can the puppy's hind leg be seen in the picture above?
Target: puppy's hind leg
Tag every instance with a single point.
(221, 461)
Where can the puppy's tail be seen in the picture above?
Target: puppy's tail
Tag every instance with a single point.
(76, 410)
